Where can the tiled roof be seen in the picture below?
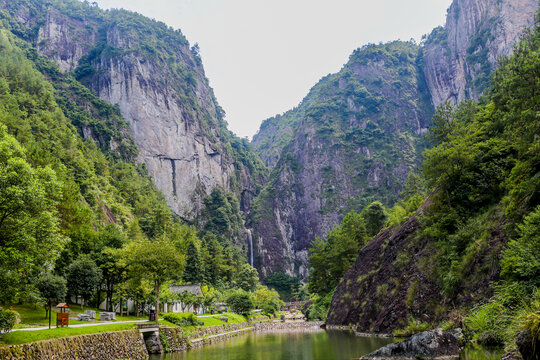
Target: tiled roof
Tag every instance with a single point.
(194, 289)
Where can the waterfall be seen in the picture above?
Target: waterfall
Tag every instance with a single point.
(250, 239)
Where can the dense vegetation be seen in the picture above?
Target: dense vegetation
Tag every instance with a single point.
(483, 182)
(76, 205)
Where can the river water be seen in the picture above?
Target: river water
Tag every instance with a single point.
(298, 345)
(319, 345)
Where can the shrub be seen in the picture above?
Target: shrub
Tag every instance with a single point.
(487, 324)
(7, 320)
(182, 319)
(413, 327)
(240, 302)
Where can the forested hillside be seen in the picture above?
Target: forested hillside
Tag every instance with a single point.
(158, 82)
(470, 255)
(358, 133)
(76, 193)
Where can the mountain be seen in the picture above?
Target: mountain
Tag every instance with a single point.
(358, 136)
(358, 133)
(460, 57)
(472, 248)
(158, 83)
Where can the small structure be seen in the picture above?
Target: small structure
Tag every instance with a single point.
(178, 306)
(107, 316)
(222, 307)
(62, 317)
(83, 317)
(295, 305)
(91, 313)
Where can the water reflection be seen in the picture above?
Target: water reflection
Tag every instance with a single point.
(302, 345)
(320, 345)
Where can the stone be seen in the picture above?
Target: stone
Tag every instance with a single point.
(528, 346)
(153, 344)
(90, 313)
(512, 355)
(83, 317)
(428, 344)
(107, 316)
(223, 318)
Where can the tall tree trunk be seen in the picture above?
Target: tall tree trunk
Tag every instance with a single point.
(50, 310)
(157, 302)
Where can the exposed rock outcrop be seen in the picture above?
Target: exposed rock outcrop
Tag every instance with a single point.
(325, 159)
(390, 283)
(460, 57)
(158, 82)
(434, 344)
(343, 153)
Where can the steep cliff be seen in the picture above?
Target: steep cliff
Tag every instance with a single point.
(355, 138)
(477, 236)
(460, 57)
(157, 80)
(392, 281)
(358, 135)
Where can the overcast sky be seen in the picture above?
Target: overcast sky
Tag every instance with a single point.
(263, 56)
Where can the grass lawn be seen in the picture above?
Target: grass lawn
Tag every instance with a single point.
(32, 316)
(36, 317)
(22, 337)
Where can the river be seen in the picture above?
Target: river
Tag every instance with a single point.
(297, 345)
(319, 345)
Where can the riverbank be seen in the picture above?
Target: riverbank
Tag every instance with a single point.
(129, 344)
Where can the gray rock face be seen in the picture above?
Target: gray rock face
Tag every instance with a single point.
(162, 92)
(428, 344)
(313, 186)
(342, 154)
(66, 39)
(460, 57)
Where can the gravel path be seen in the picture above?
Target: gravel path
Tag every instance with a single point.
(83, 325)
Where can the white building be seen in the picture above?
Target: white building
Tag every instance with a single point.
(178, 306)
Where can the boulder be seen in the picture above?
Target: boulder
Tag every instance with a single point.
(83, 317)
(528, 346)
(428, 344)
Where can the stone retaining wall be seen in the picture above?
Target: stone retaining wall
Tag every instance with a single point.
(300, 325)
(197, 343)
(103, 346)
(178, 340)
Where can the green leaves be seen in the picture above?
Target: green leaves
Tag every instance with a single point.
(30, 237)
(521, 259)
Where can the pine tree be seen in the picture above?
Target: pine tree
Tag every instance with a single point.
(194, 269)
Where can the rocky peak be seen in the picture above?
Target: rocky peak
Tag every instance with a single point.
(158, 82)
(460, 57)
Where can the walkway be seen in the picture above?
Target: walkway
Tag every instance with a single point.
(82, 325)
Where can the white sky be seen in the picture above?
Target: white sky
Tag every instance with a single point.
(263, 56)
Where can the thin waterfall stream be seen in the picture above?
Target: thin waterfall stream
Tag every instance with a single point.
(250, 239)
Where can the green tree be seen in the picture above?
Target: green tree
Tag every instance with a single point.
(53, 289)
(30, 236)
(211, 296)
(521, 259)
(241, 302)
(374, 216)
(248, 278)
(268, 300)
(157, 261)
(83, 276)
(330, 259)
(193, 274)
